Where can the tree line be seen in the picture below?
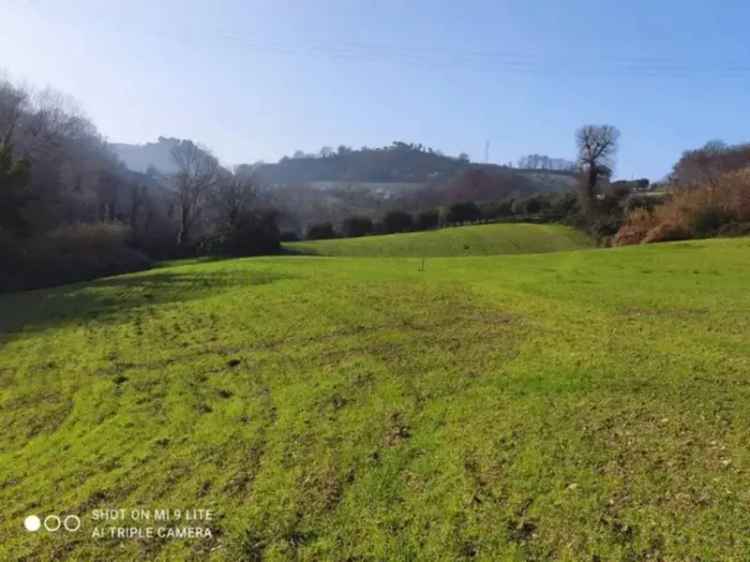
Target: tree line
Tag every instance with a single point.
(707, 193)
(70, 210)
(540, 207)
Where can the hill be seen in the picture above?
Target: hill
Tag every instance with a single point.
(381, 170)
(481, 240)
(141, 157)
(333, 186)
(586, 405)
(399, 162)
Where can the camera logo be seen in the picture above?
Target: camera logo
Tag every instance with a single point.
(52, 523)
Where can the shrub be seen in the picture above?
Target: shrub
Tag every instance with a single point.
(357, 226)
(535, 205)
(695, 211)
(397, 221)
(666, 232)
(463, 212)
(72, 253)
(428, 220)
(251, 233)
(708, 220)
(498, 209)
(735, 229)
(289, 236)
(563, 206)
(321, 231)
(736, 189)
(636, 228)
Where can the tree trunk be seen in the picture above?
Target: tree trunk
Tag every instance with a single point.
(182, 232)
(588, 197)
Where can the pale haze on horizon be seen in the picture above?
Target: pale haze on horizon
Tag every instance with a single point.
(259, 80)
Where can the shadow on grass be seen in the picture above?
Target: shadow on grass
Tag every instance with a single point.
(110, 299)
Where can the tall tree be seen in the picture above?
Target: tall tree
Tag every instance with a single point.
(14, 179)
(597, 147)
(13, 102)
(198, 171)
(233, 196)
(706, 165)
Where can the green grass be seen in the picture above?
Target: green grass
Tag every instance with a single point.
(590, 405)
(483, 240)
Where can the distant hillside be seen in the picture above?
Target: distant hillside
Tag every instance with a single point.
(141, 157)
(330, 187)
(333, 185)
(398, 165)
(489, 182)
(400, 162)
(550, 180)
(391, 170)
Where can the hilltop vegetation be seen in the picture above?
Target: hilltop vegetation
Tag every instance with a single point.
(399, 162)
(480, 240)
(571, 406)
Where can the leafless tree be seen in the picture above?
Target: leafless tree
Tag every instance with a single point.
(234, 195)
(13, 102)
(597, 147)
(198, 171)
(707, 165)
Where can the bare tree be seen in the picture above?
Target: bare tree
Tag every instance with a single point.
(705, 166)
(198, 171)
(234, 196)
(597, 146)
(138, 200)
(13, 102)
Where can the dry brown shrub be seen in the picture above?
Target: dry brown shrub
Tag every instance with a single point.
(736, 194)
(691, 211)
(636, 227)
(666, 232)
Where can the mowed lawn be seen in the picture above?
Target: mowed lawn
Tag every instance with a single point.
(579, 406)
(481, 240)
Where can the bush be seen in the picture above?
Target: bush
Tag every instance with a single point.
(708, 220)
(692, 212)
(563, 206)
(735, 229)
(428, 220)
(497, 210)
(289, 236)
(636, 228)
(321, 231)
(357, 226)
(666, 232)
(463, 212)
(69, 254)
(251, 233)
(397, 221)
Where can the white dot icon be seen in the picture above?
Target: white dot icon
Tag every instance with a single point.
(32, 523)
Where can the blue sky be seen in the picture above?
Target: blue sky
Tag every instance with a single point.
(257, 80)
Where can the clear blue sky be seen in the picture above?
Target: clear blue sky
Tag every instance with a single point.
(257, 80)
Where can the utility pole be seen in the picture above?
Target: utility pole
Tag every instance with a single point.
(486, 151)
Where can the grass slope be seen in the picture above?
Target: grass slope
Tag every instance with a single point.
(568, 406)
(483, 240)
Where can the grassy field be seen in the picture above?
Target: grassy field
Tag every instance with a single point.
(578, 406)
(483, 240)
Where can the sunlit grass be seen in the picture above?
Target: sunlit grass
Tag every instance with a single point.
(481, 240)
(589, 405)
